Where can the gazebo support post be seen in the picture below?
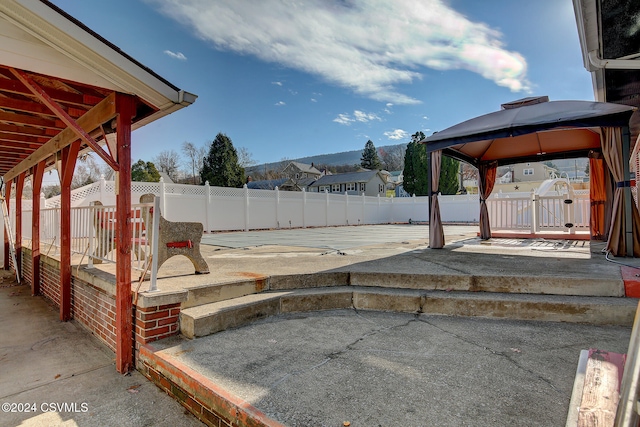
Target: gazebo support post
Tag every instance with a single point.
(429, 191)
(628, 219)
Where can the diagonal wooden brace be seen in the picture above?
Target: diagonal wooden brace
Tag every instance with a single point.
(38, 91)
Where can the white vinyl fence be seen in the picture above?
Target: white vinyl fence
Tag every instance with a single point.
(226, 209)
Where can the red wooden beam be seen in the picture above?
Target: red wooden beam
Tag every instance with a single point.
(125, 106)
(62, 115)
(19, 188)
(26, 119)
(79, 99)
(7, 195)
(69, 157)
(38, 173)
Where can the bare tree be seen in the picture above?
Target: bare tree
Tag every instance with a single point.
(190, 150)
(393, 157)
(87, 171)
(168, 161)
(245, 158)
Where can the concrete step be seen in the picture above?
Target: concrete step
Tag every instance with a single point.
(214, 317)
(549, 285)
(206, 294)
(211, 293)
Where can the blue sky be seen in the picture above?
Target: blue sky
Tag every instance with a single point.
(288, 79)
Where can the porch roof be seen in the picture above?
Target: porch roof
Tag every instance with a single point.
(43, 49)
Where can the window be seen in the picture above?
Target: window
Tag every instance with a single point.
(528, 171)
(363, 186)
(351, 186)
(324, 189)
(335, 188)
(297, 176)
(380, 188)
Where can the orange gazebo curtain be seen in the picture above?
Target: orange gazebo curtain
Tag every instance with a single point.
(597, 196)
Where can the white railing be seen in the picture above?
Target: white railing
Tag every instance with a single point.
(538, 214)
(93, 232)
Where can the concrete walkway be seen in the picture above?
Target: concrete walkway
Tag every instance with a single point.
(392, 369)
(57, 374)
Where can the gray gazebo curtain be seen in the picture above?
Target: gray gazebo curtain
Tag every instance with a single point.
(613, 154)
(487, 178)
(436, 233)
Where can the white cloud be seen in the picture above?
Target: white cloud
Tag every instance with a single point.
(176, 55)
(358, 116)
(397, 134)
(337, 44)
(344, 119)
(277, 83)
(314, 100)
(280, 103)
(365, 117)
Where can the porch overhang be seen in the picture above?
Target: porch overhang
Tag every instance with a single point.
(65, 90)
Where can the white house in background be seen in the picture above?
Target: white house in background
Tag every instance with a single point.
(506, 178)
(297, 171)
(371, 183)
(523, 172)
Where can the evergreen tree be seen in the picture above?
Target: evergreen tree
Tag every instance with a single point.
(220, 167)
(370, 159)
(449, 176)
(415, 167)
(142, 171)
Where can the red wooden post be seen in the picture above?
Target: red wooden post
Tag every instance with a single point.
(69, 157)
(35, 228)
(19, 188)
(6, 236)
(125, 108)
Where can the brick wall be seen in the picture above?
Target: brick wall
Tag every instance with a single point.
(27, 269)
(155, 323)
(94, 307)
(50, 282)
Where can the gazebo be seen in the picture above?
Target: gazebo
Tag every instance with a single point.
(65, 90)
(536, 129)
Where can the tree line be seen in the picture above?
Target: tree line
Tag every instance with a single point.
(222, 165)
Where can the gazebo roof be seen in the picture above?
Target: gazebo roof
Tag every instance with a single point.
(531, 129)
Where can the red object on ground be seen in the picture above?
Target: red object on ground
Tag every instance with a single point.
(631, 278)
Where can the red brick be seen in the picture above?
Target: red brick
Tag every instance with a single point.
(149, 325)
(175, 311)
(155, 332)
(156, 315)
(167, 321)
(210, 418)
